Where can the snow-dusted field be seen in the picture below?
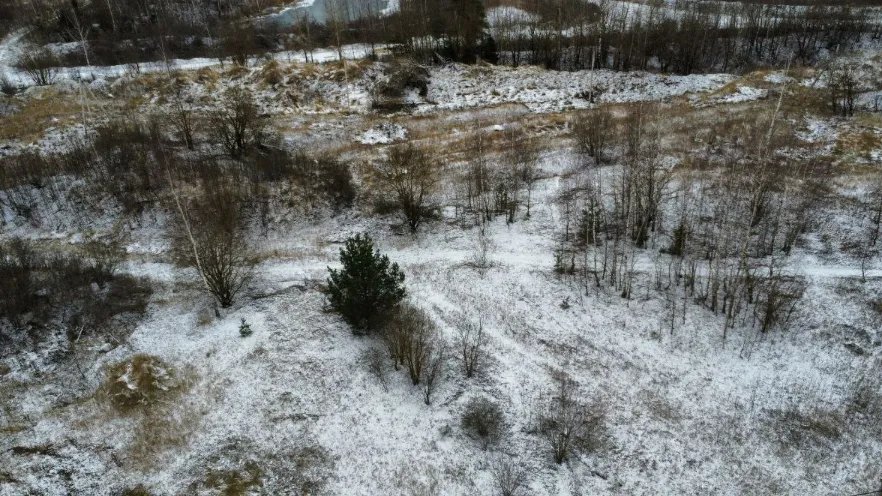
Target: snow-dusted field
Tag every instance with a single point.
(686, 411)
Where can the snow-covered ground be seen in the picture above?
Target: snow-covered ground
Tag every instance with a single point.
(686, 411)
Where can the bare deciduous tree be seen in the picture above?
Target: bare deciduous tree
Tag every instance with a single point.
(567, 423)
(470, 342)
(411, 174)
(591, 131)
(508, 475)
(213, 229)
(434, 371)
(236, 123)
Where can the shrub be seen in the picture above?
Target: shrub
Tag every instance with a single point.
(235, 123)
(106, 257)
(211, 238)
(410, 174)
(324, 177)
(509, 476)
(470, 342)
(483, 420)
(567, 424)
(367, 286)
(40, 64)
(139, 381)
(376, 364)
(18, 291)
(434, 370)
(138, 490)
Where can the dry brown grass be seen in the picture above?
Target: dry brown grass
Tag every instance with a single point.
(35, 115)
(858, 145)
(272, 73)
(139, 382)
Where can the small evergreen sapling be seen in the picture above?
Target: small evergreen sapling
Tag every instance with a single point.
(367, 286)
(245, 329)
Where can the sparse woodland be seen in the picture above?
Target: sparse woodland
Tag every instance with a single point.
(501, 247)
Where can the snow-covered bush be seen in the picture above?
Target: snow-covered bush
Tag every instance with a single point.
(508, 476)
(483, 420)
(568, 424)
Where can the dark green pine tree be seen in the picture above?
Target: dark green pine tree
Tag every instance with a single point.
(367, 286)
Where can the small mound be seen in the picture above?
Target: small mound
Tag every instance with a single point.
(138, 382)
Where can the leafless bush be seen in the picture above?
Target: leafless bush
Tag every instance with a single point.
(421, 345)
(777, 297)
(236, 123)
(509, 476)
(568, 425)
(397, 333)
(434, 370)
(123, 163)
(40, 64)
(842, 80)
(181, 118)
(106, 257)
(376, 364)
(410, 174)
(482, 249)
(18, 262)
(76, 294)
(483, 420)
(591, 131)
(470, 343)
(412, 340)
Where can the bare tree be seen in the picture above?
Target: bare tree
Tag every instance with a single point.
(508, 475)
(567, 424)
(470, 342)
(411, 174)
(338, 16)
(434, 370)
(212, 238)
(236, 123)
(591, 130)
(181, 117)
(525, 155)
